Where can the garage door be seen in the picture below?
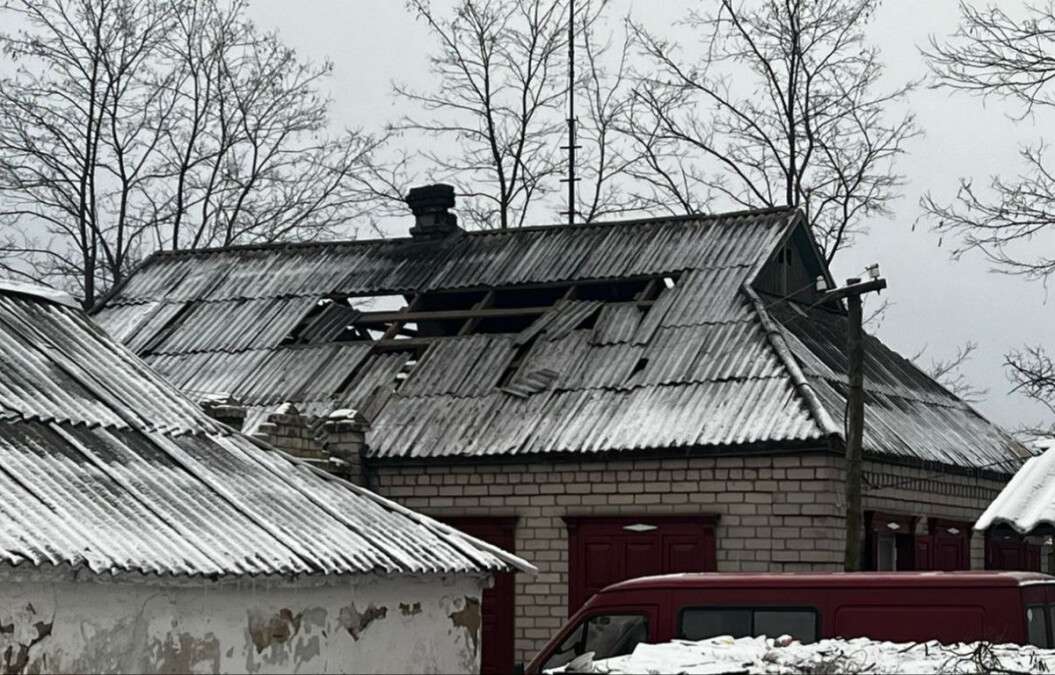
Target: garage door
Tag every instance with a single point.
(603, 551)
(496, 631)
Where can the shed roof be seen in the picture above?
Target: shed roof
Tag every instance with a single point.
(698, 358)
(1027, 502)
(105, 465)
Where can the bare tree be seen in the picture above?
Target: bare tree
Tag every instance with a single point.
(949, 372)
(138, 125)
(784, 107)
(498, 74)
(996, 54)
(608, 155)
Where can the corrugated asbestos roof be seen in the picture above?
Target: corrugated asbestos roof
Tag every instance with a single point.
(103, 464)
(706, 365)
(1027, 502)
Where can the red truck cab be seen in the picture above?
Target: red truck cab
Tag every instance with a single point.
(950, 607)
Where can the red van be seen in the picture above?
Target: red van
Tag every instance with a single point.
(897, 606)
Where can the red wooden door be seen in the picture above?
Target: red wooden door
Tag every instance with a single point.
(1011, 552)
(950, 546)
(499, 601)
(603, 551)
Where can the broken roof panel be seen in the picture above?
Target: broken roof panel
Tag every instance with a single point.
(105, 465)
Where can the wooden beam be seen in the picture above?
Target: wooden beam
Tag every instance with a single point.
(470, 324)
(368, 318)
(397, 323)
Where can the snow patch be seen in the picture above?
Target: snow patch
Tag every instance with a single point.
(715, 656)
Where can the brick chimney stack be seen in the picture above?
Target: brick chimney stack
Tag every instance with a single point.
(430, 204)
(224, 409)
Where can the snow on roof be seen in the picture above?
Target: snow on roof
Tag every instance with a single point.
(747, 656)
(521, 346)
(1027, 502)
(105, 465)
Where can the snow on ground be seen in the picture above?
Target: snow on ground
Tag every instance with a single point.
(719, 655)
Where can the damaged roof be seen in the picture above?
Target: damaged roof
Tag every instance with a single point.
(595, 338)
(105, 465)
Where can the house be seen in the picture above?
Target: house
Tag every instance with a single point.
(139, 535)
(608, 400)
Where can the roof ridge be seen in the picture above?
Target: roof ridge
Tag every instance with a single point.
(280, 245)
(777, 342)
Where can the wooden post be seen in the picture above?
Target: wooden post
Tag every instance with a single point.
(855, 414)
(855, 411)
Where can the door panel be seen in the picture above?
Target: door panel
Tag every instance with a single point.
(499, 601)
(603, 551)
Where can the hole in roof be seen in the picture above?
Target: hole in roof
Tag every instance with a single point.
(378, 303)
(404, 372)
(492, 311)
(641, 364)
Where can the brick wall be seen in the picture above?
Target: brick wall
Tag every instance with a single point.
(927, 493)
(334, 443)
(775, 513)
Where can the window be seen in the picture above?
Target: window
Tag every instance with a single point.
(606, 635)
(1037, 621)
(698, 623)
(886, 552)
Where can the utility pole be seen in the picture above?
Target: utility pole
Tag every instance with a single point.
(855, 409)
(571, 147)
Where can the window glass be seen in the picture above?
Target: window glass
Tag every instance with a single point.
(886, 552)
(701, 623)
(799, 624)
(567, 650)
(606, 635)
(1037, 621)
(697, 624)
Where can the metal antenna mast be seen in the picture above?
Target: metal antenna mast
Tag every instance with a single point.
(571, 146)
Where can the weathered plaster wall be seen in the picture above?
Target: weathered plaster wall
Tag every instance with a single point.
(52, 623)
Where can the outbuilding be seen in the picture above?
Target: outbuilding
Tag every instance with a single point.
(137, 534)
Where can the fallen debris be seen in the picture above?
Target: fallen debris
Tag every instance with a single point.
(747, 656)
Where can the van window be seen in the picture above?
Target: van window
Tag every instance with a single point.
(697, 623)
(1037, 621)
(606, 635)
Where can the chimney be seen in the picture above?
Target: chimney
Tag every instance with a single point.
(224, 409)
(345, 433)
(429, 205)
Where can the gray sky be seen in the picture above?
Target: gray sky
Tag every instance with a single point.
(937, 303)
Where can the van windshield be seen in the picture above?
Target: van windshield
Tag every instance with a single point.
(1038, 621)
(606, 635)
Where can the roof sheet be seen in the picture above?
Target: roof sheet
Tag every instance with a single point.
(1027, 502)
(704, 364)
(906, 412)
(104, 464)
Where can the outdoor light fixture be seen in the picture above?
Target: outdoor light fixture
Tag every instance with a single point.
(822, 284)
(953, 530)
(873, 271)
(639, 527)
(893, 526)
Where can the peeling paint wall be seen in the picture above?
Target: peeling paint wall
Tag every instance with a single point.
(52, 623)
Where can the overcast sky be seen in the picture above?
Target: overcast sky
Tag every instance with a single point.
(937, 303)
